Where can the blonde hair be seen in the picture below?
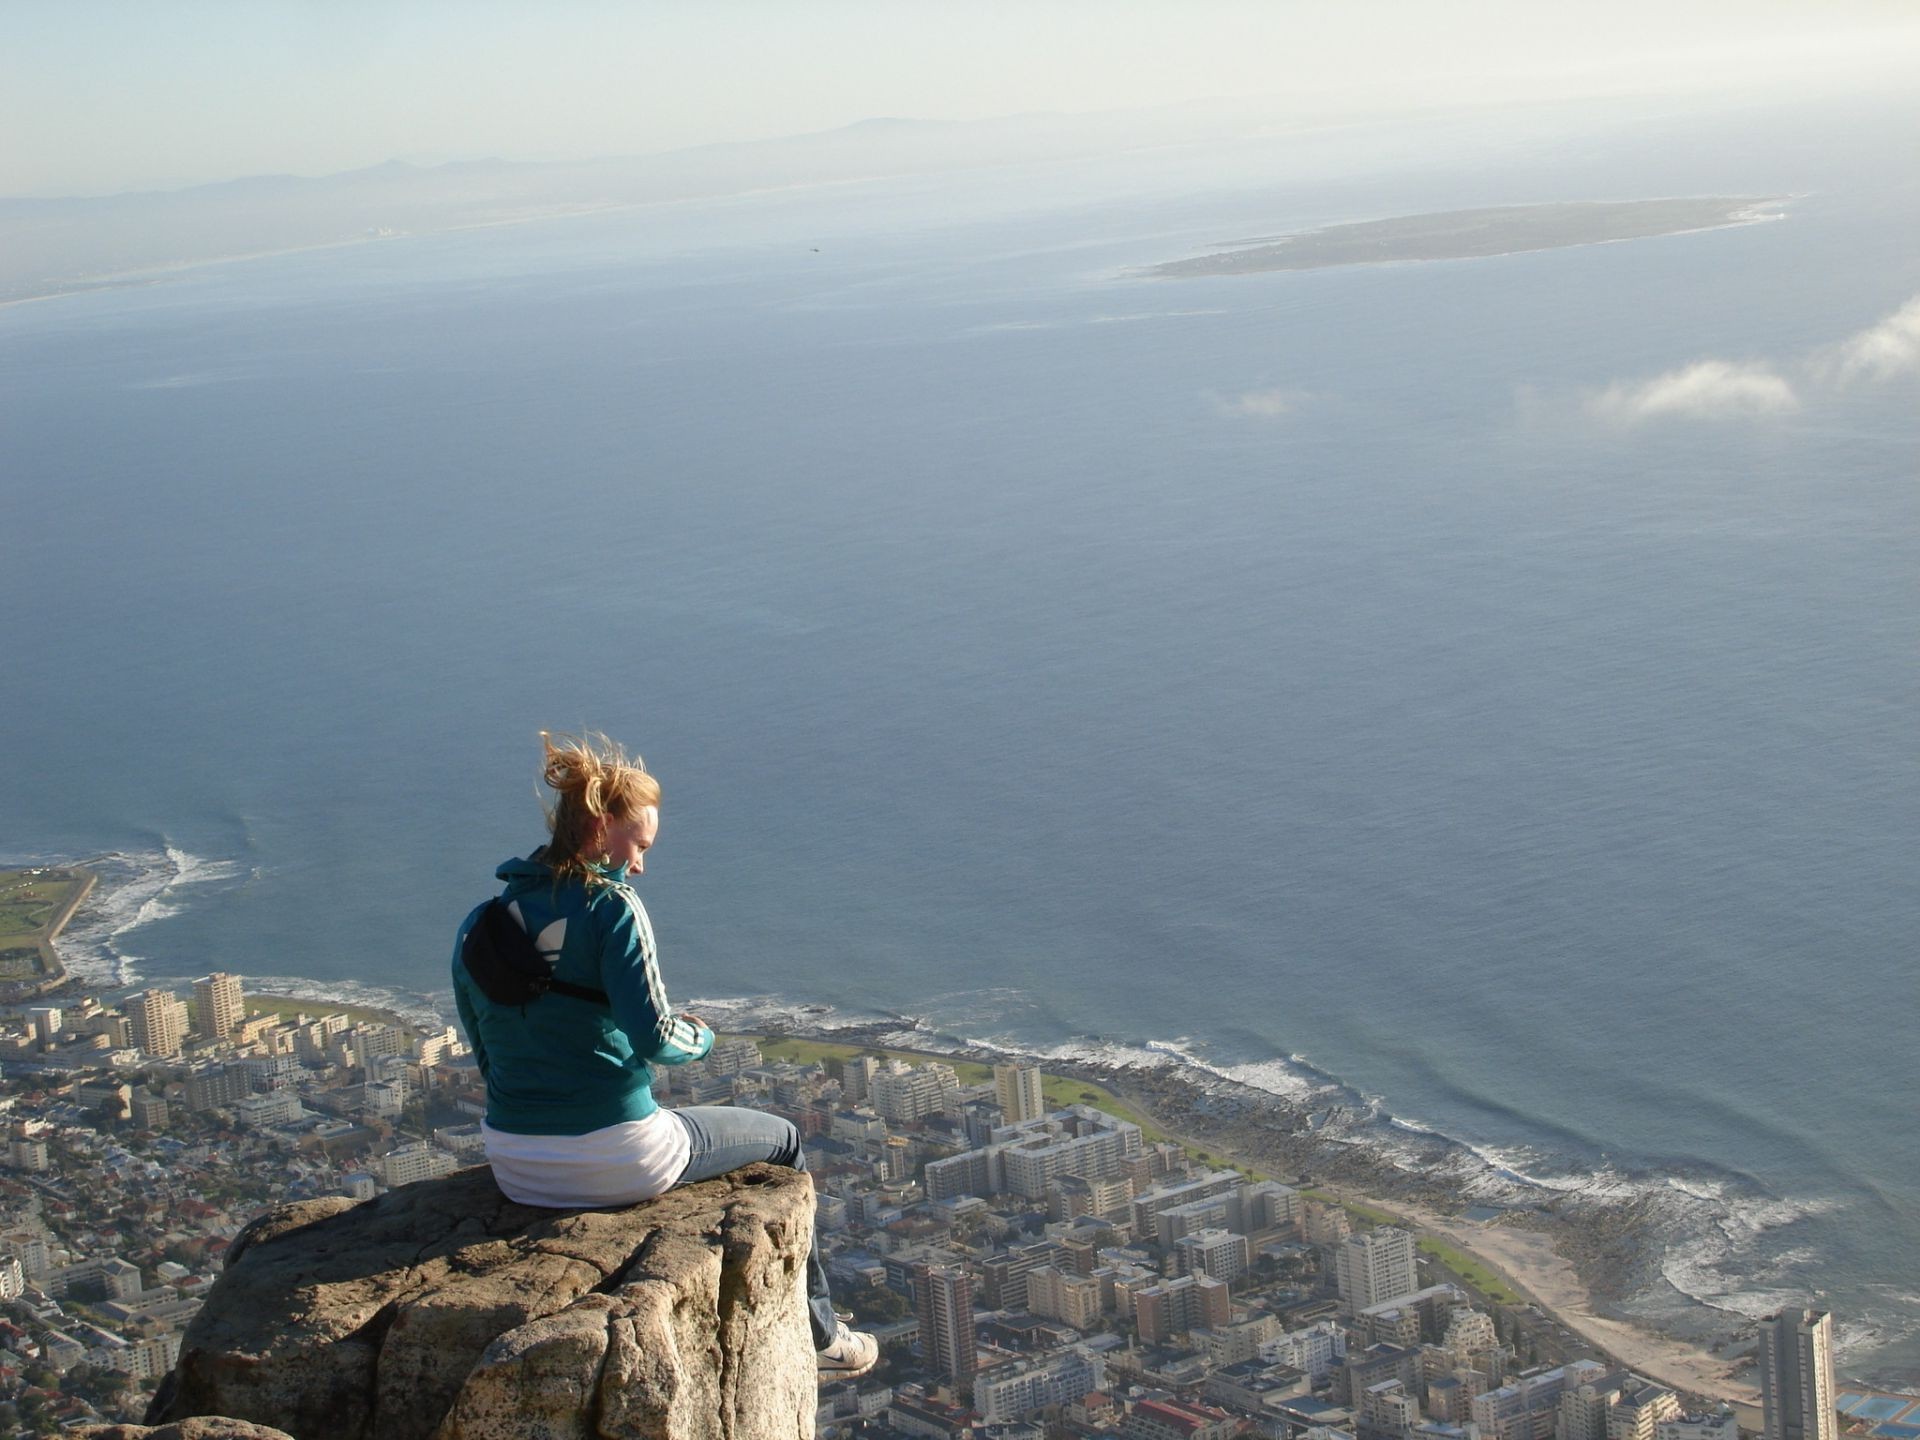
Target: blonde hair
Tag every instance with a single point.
(593, 779)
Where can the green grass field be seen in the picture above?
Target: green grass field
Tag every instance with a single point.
(787, 1049)
(288, 1007)
(1060, 1089)
(29, 903)
(1354, 1208)
(1469, 1270)
(33, 907)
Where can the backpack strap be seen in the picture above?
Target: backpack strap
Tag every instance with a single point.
(508, 964)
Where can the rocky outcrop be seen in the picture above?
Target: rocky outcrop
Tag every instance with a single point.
(444, 1311)
(200, 1427)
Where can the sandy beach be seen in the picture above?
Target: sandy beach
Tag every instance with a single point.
(1525, 1257)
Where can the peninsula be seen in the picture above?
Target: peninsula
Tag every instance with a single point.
(35, 905)
(1472, 234)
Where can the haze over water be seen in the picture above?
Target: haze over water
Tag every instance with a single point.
(1423, 670)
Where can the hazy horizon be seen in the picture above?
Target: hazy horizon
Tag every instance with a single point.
(110, 101)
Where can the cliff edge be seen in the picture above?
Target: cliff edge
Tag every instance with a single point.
(444, 1310)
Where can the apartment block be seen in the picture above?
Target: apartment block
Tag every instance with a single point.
(1055, 1294)
(218, 1005)
(905, 1093)
(159, 1022)
(1217, 1253)
(1002, 1399)
(1375, 1267)
(1191, 1302)
(1017, 1088)
(1076, 1141)
(1796, 1376)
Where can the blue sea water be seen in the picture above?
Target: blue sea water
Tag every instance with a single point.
(1307, 675)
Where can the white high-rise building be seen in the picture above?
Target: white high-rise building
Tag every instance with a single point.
(159, 1021)
(1057, 1381)
(903, 1093)
(1017, 1088)
(1796, 1376)
(1076, 1141)
(218, 1005)
(415, 1161)
(1375, 1267)
(1216, 1252)
(1721, 1424)
(856, 1078)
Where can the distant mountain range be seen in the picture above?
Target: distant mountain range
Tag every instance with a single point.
(54, 246)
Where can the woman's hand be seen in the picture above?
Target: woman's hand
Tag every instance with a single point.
(693, 1019)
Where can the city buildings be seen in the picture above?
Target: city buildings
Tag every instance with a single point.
(1375, 1266)
(1026, 1263)
(905, 1093)
(1001, 1399)
(159, 1021)
(1017, 1088)
(218, 1005)
(944, 1299)
(1173, 1307)
(1796, 1376)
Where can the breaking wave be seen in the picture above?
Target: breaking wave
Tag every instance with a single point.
(135, 889)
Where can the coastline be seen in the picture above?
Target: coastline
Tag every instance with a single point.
(1525, 1250)
(1581, 1249)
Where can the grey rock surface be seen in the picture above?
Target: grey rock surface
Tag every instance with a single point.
(200, 1427)
(444, 1310)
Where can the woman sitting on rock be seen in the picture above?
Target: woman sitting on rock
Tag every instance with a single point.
(571, 1119)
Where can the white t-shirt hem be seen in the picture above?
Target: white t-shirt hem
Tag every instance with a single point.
(619, 1165)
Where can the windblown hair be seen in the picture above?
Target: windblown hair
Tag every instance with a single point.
(592, 778)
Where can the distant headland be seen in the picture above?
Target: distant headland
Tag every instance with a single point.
(1473, 234)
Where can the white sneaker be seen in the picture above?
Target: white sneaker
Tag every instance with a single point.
(852, 1353)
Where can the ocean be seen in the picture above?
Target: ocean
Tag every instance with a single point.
(1482, 687)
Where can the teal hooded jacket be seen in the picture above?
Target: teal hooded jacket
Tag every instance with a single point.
(562, 1066)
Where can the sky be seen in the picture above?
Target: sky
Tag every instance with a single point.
(102, 96)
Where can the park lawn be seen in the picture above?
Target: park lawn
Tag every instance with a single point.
(793, 1051)
(1061, 1090)
(28, 903)
(288, 1007)
(1469, 1270)
(1353, 1207)
(1065, 1090)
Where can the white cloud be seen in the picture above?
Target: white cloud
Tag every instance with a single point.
(1706, 390)
(1884, 351)
(1274, 404)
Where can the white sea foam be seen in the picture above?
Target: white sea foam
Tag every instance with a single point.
(134, 889)
(415, 1006)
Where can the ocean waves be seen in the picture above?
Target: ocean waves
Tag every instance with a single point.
(136, 889)
(101, 946)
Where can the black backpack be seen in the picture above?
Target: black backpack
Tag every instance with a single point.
(506, 964)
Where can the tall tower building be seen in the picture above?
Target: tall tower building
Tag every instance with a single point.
(857, 1078)
(159, 1021)
(1796, 1376)
(217, 1004)
(945, 1295)
(1375, 1267)
(1017, 1088)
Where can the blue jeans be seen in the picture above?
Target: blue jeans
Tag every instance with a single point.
(725, 1137)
